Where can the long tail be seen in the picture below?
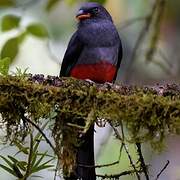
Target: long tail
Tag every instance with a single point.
(85, 157)
(85, 169)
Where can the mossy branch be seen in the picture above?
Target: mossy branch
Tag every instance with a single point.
(149, 113)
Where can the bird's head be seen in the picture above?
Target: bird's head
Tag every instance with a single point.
(92, 11)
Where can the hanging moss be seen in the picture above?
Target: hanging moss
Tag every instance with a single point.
(149, 113)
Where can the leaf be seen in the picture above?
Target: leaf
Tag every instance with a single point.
(42, 167)
(37, 30)
(34, 157)
(10, 22)
(10, 49)
(17, 171)
(36, 142)
(21, 164)
(7, 161)
(8, 170)
(21, 147)
(21, 73)
(12, 159)
(51, 4)
(35, 151)
(13, 168)
(7, 3)
(4, 65)
(40, 159)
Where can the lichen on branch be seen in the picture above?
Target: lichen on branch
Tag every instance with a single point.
(149, 113)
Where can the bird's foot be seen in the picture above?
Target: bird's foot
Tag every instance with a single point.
(108, 84)
(101, 122)
(89, 81)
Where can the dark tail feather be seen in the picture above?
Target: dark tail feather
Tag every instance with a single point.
(85, 169)
(85, 157)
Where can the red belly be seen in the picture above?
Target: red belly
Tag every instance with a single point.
(100, 72)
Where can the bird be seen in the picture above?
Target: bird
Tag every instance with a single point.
(94, 52)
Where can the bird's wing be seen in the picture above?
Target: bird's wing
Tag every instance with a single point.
(71, 56)
(120, 54)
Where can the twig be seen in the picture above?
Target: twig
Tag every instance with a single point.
(39, 129)
(120, 152)
(126, 149)
(127, 152)
(131, 162)
(166, 165)
(124, 173)
(98, 166)
(142, 162)
(29, 157)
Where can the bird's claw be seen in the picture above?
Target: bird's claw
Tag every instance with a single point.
(108, 84)
(101, 122)
(89, 81)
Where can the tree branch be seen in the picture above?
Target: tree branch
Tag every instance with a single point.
(142, 162)
(124, 173)
(118, 136)
(144, 111)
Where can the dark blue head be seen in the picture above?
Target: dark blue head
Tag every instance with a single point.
(92, 11)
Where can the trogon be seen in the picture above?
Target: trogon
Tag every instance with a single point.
(94, 52)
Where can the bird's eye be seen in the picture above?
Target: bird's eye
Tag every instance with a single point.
(96, 10)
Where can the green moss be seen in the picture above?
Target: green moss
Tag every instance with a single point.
(149, 113)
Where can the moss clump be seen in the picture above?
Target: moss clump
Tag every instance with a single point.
(149, 113)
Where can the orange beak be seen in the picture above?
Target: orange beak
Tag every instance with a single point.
(82, 15)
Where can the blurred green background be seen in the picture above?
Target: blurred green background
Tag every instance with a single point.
(35, 34)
